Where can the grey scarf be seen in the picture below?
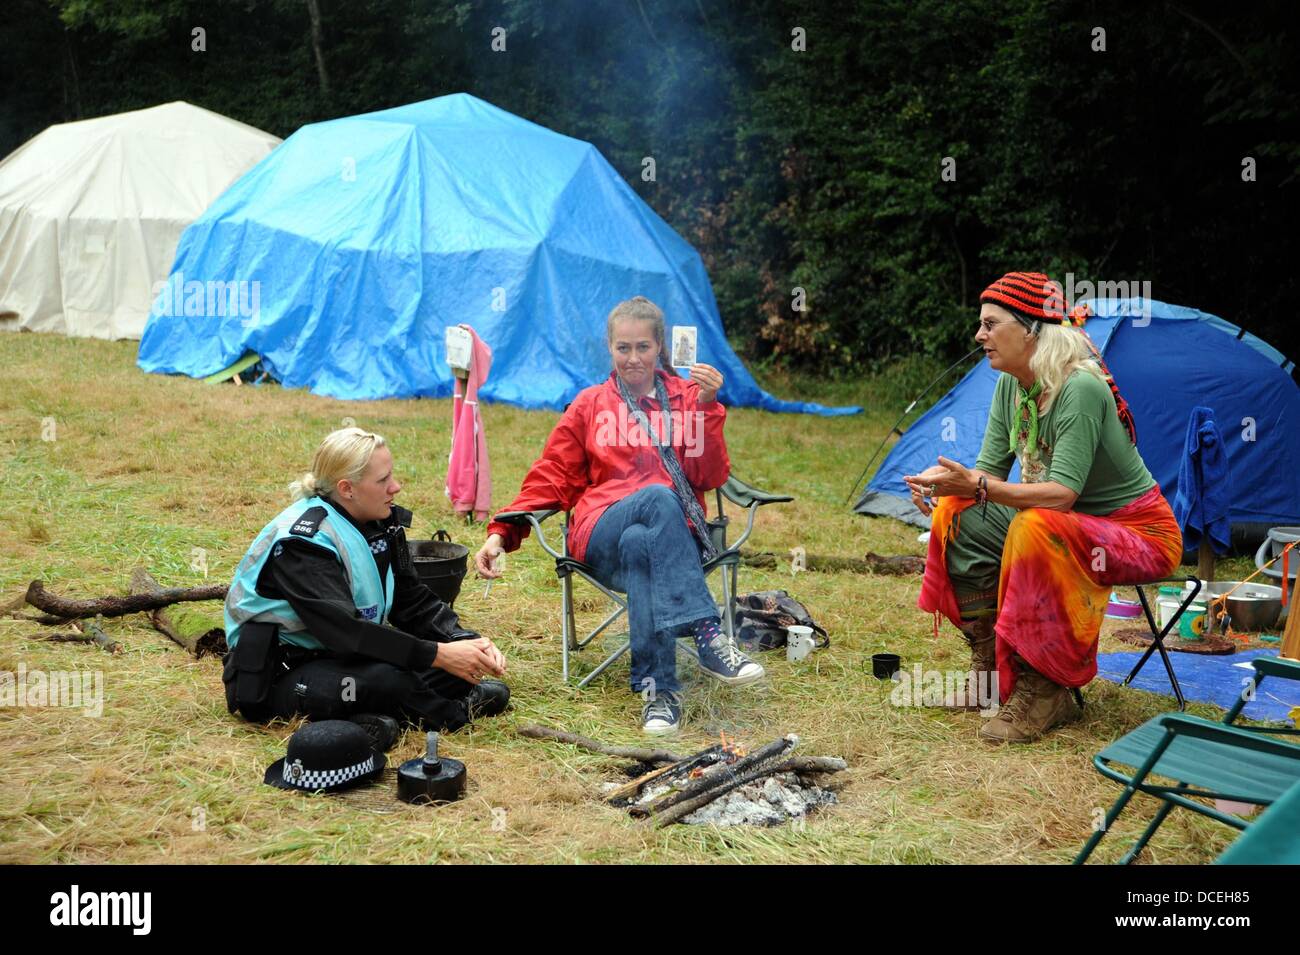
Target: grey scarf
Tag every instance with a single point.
(681, 486)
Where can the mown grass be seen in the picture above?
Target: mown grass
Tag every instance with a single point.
(145, 469)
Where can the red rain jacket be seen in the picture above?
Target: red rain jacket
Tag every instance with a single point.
(597, 455)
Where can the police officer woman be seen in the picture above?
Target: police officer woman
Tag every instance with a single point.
(325, 617)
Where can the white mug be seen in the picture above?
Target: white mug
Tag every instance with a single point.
(798, 642)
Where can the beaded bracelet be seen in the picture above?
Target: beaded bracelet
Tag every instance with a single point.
(982, 493)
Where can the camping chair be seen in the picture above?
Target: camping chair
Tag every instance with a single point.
(1204, 759)
(1158, 634)
(1273, 840)
(728, 560)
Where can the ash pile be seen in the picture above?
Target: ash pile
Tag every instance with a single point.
(726, 786)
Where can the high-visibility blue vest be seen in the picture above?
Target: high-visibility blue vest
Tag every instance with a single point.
(318, 522)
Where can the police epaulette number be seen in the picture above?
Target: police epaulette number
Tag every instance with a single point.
(308, 522)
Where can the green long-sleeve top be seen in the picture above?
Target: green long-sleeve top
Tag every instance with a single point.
(1082, 445)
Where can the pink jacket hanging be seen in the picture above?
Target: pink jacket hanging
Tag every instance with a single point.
(469, 476)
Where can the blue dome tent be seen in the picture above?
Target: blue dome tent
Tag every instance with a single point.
(1164, 368)
(359, 240)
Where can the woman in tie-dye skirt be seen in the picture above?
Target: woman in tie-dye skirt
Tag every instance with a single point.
(1024, 569)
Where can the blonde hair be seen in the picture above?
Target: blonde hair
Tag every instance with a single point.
(1060, 351)
(640, 309)
(344, 454)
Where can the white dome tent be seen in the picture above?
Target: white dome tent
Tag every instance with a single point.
(91, 211)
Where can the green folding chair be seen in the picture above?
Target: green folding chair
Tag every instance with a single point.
(1273, 840)
(1200, 760)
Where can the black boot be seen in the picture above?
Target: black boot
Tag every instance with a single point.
(382, 730)
(488, 698)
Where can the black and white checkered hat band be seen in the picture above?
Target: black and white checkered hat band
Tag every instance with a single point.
(300, 778)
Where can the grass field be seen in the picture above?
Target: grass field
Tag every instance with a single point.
(143, 469)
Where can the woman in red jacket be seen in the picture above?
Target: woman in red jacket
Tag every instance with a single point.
(634, 478)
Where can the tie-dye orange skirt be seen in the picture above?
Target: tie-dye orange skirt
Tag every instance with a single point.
(1058, 568)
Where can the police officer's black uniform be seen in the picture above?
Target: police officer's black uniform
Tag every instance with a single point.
(366, 667)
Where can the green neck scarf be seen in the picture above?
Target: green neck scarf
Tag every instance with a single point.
(1025, 421)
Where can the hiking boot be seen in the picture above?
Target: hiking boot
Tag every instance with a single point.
(382, 730)
(721, 659)
(662, 714)
(488, 698)
(979, 634)
(1037, 706)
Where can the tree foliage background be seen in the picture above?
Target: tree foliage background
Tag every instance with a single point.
(817, 169)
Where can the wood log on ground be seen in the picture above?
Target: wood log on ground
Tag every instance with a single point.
(900, 565)
(812, 764)
(769, 755)
(652, 757)
(629, 790)
(70, 608)
(192, 633)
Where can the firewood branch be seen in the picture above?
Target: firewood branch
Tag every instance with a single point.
(68, 608)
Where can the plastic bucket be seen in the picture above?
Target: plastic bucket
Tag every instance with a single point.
(441, 565)
(1271, 546)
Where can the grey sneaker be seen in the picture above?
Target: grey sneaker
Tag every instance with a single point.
(662, 715)
(721, 659)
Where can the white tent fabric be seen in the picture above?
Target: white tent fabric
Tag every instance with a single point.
(90, 213)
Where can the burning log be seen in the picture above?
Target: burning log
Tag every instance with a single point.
(630, 790)
(711, 785)
(68, 608)
(198, 640)
(697, 780)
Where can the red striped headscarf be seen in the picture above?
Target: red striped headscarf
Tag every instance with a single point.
(1033, 297)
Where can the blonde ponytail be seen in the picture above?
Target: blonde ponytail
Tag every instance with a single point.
(303, 488)
(344, 454)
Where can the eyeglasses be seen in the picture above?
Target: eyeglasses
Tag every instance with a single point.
(989, 326)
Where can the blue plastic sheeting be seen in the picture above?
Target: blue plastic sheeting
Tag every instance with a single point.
(367, 236)
(1207, 679)
(1165, 366)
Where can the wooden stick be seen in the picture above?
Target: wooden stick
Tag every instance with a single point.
(73, 637)
(813, 764)
(651, 756)
(629, 790)
(1291, 635)
(696, 787)
(208, 641)
(900, 565)
(45, 619)
(51, 603)
(99, 637)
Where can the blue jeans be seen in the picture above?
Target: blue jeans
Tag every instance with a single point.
(642, 547)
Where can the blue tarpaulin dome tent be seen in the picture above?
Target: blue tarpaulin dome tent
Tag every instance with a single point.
(1166, 359)
(358, 241)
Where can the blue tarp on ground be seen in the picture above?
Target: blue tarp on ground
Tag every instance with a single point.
(1207, 679)
(367, 236)
(1166, 362)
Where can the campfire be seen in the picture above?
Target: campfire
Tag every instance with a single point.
(723, 785)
